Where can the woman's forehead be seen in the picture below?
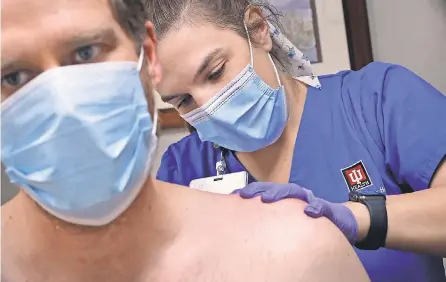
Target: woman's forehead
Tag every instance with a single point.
(182, 51)
(192, 41)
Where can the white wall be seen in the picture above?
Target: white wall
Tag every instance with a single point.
(411, 33)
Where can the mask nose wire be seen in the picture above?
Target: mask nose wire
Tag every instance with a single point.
(269, 55)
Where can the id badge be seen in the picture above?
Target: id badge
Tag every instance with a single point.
(221, 184)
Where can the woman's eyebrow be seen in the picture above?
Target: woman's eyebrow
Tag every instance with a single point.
(205, 63)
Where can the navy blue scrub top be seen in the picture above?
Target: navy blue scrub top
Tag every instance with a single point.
(380, 129)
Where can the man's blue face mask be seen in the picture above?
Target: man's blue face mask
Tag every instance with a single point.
(79, 140)
(244, 116)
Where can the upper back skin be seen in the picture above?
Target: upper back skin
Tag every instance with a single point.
(227, 239)
(219, 239)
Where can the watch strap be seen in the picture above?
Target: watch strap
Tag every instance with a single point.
(376, 237)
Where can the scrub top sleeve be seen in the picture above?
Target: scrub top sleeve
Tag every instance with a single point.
(413, 126)
(168, 170)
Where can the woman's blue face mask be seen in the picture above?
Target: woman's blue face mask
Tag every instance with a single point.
(246, 115)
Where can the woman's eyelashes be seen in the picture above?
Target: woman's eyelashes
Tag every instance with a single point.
(217, 73)
(185, 101)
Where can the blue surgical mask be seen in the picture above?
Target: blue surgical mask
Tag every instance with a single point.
(80, 140)
(244, 116)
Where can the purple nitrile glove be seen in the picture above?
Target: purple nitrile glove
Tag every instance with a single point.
(339, 214)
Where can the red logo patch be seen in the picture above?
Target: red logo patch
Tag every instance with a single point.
(356, 177)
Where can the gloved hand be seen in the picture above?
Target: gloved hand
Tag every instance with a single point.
(339, 214)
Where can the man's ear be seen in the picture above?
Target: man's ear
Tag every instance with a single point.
(260, 35)
(153, 65)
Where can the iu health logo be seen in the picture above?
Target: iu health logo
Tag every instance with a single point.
(356, 177)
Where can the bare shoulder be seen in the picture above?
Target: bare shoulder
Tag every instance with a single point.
(301, 248)
(245, 240)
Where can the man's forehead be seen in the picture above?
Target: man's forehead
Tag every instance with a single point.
(30, 9)
(33, 24)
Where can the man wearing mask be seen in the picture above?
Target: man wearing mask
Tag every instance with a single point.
(78, 136)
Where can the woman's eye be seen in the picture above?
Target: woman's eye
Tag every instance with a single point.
(185, 101)
(218, 73)
(15, 79)
(86, 53)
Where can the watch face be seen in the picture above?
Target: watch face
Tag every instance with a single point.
(354, 196)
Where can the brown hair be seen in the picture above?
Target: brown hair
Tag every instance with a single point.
(171, 14)
(131, 16)
(167, 14)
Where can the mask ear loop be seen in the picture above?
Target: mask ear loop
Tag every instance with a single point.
(275, 69)
(155, 122)
(155, 114)
(140, 59)
(269, 55)
(250, 46)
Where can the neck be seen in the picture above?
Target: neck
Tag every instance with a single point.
(259, 163)
(53, 250)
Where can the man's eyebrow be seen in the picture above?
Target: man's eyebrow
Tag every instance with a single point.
(89, 37)
(207, 60)
(74, 41)
(7, 64)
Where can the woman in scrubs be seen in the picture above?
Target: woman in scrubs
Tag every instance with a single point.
(364, 148)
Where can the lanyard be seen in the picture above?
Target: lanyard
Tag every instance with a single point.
(221, 165)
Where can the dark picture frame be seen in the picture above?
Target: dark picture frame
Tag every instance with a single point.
(359, 47)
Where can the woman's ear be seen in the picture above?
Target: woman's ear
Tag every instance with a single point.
(258, 28)
(153, 65)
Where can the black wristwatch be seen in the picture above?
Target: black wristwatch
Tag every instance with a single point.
(376, 204)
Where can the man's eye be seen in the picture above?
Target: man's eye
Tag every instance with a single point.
(15, 79)
(86, 54)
